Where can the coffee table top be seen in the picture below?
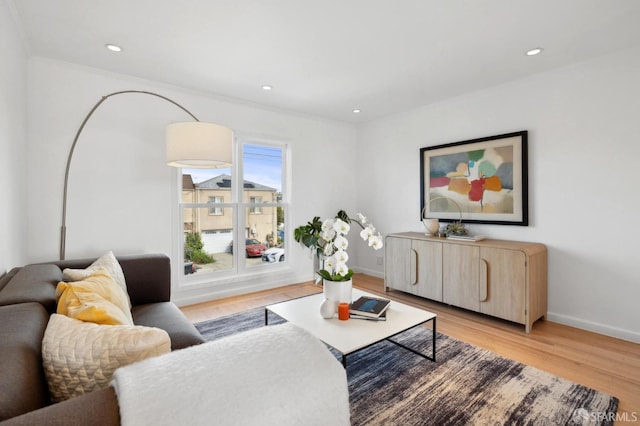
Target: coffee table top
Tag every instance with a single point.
(353, 334)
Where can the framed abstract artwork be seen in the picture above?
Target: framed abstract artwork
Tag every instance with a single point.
(477, 181)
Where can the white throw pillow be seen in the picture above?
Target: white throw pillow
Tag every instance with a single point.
(80, 357)
(108, 263)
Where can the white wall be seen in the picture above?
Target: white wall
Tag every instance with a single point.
(120, 189)
(584, 156)
(13, 142)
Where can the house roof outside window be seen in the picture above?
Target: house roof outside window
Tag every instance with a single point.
(224, 182)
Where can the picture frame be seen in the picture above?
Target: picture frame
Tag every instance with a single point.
(482, 180)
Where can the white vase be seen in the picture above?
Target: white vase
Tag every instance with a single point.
(431, 225)
(337, 292)
(327, 309)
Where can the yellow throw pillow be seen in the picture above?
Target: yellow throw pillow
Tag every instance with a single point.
(97, 298)
(108, 262)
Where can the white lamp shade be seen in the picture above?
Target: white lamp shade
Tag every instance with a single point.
(199, 145)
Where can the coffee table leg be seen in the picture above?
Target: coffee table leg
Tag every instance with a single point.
(433, 342)
(266, 316)
(344, 361)
(433, 346)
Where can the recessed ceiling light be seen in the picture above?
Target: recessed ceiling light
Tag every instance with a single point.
(113, 47)
(356, 111)
(266, 87)
(534, 52)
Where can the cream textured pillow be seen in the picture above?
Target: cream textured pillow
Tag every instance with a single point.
(80, 357)
(108, 262)
(97, 298)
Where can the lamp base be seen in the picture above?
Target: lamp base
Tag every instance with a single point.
(432, 226)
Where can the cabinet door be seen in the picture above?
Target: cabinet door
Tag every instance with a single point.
(503, 283)
(460, 266)
(398, 264)
(429, 269)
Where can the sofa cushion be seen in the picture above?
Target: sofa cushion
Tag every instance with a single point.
(148, 275)
(167, 316)
(80, 357)
(97, 298)
(33, 283)
(108, 263)
(22, 379)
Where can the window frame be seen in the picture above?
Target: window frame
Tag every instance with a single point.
(240, 212)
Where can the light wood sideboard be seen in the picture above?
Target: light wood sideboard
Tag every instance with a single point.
(504, 279)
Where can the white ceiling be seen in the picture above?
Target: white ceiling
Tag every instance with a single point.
(328, 57)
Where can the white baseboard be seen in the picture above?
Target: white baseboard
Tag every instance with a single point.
(371, 272)
(620, 333)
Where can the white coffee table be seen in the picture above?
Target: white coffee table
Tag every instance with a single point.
(352, 335)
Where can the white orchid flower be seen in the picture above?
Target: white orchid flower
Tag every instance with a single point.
(341, 256)
(342, 269)
(328, 249)
(341, 227)
(327, 224)
(332, 242)
(329, 264)
(375, 242)
(328, 235)
(341, 242)
(366, 233)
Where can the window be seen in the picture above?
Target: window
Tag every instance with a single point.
(228, 228)
(255, 209)
(215, 210)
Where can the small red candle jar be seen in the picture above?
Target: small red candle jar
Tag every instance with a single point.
(343, 311)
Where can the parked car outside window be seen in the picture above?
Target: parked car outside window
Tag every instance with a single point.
(273, 255)
(254, 247)
(189, 268)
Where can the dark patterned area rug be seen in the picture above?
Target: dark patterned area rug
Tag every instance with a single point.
(389, 385)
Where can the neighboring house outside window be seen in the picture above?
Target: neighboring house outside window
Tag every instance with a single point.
(215, 190)
(227, 228)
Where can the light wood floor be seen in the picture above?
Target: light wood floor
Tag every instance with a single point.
(604, 363)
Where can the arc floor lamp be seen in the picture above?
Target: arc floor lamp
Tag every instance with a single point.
(192, 144)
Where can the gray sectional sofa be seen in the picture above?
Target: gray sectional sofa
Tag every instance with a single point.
(27, 299)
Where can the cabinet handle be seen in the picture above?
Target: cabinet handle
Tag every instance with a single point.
(484, 280)
(414, 267)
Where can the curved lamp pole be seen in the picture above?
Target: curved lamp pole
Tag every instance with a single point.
(218, 132)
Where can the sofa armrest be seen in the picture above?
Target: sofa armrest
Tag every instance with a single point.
(4, 279)
(97, 407)
(23, 386)
(32, 283)
(148, 276)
